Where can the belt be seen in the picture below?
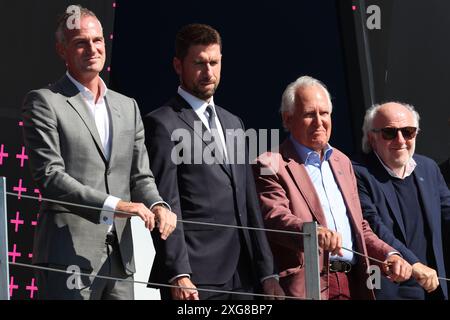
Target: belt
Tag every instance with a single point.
(111, 238)
(340, 266)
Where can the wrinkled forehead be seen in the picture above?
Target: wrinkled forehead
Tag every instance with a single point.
(86, 24)
(312, 97)
(394, 115)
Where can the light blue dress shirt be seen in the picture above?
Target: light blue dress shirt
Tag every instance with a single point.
(330, 195)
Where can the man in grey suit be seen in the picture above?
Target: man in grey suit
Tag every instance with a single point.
(86, 146)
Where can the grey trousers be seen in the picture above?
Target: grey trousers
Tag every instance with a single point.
(65, 286)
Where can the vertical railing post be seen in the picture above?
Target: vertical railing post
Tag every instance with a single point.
(4, 267)
(311, 254)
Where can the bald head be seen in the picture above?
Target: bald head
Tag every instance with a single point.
(393, 114)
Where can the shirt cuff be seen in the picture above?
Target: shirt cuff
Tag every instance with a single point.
(179, 276)
(277, 277)
(391, 253)
(164, 204)
(110, 204)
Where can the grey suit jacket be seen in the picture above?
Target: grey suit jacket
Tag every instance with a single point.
(68, 163)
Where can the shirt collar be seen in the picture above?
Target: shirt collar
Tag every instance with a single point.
(410, 166)
(307, 155)
(85, 92)
(197, 104)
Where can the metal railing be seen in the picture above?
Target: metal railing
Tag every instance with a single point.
(310, 246)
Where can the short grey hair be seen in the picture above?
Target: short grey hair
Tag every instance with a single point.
(61, 25)
(288, 97)
(370, 116)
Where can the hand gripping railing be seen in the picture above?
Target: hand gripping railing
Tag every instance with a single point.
(310, 249)
(309, 233)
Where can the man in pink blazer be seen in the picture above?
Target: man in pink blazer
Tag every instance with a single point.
(308, 180)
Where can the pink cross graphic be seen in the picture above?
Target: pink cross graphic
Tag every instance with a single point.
(3, 154)
(35, 222)
(22, 156)
(30, 256)
(19, 189)
(32, 288)
(20, 123)
(14, 254)
(17, 221)
(39, 194)
(12, 287)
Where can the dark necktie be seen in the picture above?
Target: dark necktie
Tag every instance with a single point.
(211, 116)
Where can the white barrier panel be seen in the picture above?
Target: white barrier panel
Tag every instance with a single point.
(4, 267)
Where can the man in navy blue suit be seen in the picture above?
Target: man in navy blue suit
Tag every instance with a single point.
(219, 190)
(405, 199)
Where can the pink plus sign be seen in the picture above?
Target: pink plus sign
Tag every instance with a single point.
(30, 256)
(32, 288)
(22, 156)
(20, 123)
(34, 222)
(39, 194)
(353, 8)
(14, 254)
(17, 221)
(19, 189)
(12, 287)
(3, 154)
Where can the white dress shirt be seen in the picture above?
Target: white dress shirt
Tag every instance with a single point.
(410, 166)
(329, 194)
(199, 107)
(100, 113)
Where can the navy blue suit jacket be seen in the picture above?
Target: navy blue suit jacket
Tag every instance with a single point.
(381, 209)
(445, 169)
(204, 193)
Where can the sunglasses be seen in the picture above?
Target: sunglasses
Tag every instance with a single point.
(391, 133)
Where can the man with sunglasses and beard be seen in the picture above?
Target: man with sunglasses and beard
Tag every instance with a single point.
(405, 199)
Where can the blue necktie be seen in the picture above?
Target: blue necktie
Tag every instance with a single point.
(211, 116)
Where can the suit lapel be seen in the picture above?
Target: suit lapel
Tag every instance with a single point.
(225, 122)
(343, 184)
(76, 102)
(338, 174)
(389, 192)
(303, 182)
(188, 115)
(422, 186)
(116, 126)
